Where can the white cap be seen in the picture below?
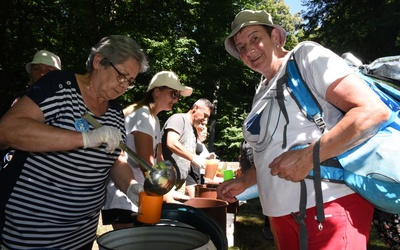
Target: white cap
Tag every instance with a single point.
(44, 57)
(170, 80)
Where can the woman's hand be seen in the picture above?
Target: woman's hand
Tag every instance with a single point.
(227, 190)
(110, 136)
(293, 165)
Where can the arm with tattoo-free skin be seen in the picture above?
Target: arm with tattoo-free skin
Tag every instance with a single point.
(365, 112)
(144, 147)
(176, 147)
(23, 128)
(122, 174)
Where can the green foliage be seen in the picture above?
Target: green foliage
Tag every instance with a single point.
(185, 36)
(368, 28)
(230, 135)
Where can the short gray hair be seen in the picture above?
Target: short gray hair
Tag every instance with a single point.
(203, 102)
(117, 49)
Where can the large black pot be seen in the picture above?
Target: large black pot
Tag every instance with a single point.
(196, 218)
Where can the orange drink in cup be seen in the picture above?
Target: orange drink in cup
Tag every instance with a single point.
(149, 211)
(211, 168)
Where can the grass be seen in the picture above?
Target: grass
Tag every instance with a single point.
(248, 228)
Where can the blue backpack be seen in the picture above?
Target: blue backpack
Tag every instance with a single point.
(371, 169)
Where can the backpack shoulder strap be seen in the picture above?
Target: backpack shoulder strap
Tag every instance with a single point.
(302, 95)
(311, 109)
(281, 102)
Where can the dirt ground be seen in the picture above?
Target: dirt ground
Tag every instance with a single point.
(101, 229)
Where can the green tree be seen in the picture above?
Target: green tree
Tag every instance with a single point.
(241, 87)
(185, 36)
(369, 29)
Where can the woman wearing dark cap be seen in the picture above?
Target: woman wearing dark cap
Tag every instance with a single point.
(53, 188)
(353, 113)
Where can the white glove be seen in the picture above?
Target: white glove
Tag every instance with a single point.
(104, 134)
(178, 195)
(133, 192)
(199, 161)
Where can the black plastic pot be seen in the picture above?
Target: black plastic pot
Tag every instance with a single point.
(196, 218)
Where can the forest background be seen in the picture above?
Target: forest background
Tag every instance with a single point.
(186, 36)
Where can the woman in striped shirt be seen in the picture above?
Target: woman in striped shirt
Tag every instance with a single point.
(54, 187)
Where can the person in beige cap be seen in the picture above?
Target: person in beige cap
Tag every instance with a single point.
(352, 114)
(143, 136)
(169, 79)
(43, 62)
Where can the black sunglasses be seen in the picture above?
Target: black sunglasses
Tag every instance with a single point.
(175, 94)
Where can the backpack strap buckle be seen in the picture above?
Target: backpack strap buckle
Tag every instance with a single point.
(320, 122)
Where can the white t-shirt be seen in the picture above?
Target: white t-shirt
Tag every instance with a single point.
(140, 120)
(263, 129)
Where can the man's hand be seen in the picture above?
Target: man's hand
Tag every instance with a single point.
(212, 155)
(199, 161)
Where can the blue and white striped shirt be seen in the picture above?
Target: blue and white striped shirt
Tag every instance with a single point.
(53, 199)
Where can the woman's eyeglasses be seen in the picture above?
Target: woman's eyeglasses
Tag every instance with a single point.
(121, 78)
(175, 94)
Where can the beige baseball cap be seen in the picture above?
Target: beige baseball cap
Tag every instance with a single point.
(170, 80)
(44, 57)
(247, 18)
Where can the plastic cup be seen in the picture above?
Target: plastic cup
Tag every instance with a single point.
(149, 211)
(228, 174)
(211, 168)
